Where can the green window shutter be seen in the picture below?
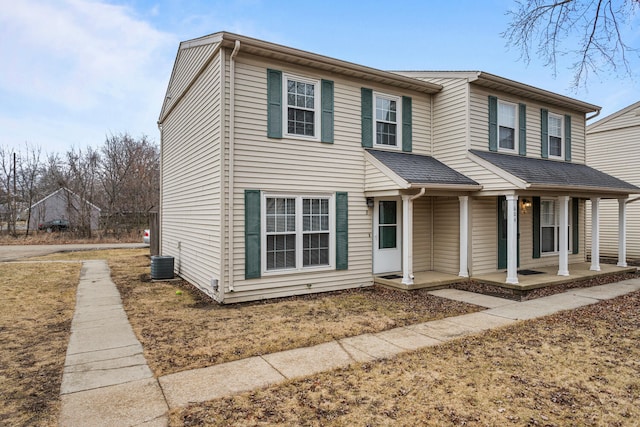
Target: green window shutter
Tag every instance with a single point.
(274, 103)
(567, 138)
(544, 133)
(327, 111)
(407, 118)
(252, 256)
(536, 227)
(575, 219)
(493, 123)
(366, 106)
(342, 231)
(522, 129)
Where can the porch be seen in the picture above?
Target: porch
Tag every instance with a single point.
(527, 279)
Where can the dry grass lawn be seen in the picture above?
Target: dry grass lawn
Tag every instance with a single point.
(187, 331)
(35, 320)
(578, 368)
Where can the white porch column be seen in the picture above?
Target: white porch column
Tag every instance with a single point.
(464, 236)
(622, 232)
(512, 238)
(595, 234)
(407, 240)
(563, 238)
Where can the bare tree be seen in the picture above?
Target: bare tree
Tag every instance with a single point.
(130, 179)
(83, 174)
(8, 205)
(29, 169)
(591, 31)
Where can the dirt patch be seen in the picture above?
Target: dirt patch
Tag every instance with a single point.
(579, 367)
(35, 321)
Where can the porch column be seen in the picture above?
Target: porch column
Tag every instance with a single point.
(622, 232)
(464, 236)
(595, 234)
(407, 240)
(512, 238)
(563, 237)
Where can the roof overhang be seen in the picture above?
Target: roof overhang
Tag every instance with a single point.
(325, 63)
(538, 174)
(491, 81)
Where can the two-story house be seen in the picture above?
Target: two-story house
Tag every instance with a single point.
(612, 148)
(286, 172)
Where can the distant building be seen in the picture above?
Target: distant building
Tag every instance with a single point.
(65, 204)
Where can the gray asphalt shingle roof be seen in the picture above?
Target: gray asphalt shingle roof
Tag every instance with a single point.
(419, 169)
(557, 173)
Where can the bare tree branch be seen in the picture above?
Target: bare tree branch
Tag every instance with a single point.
(592, 31)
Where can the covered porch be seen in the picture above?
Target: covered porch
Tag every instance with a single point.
(528, 279)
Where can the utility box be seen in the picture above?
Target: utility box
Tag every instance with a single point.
(161, 267)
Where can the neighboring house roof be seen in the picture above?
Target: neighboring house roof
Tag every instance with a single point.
(521, 90)
(593, 126)
(552, 174)
(419, 170)
(67, 190)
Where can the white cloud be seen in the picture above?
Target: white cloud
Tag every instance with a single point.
(82, 60)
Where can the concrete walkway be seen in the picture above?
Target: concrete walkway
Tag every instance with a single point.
(107, 381)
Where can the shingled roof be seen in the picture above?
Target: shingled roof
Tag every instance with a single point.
(417, 169)
(551, 173)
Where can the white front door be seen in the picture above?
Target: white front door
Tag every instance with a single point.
(387, 236)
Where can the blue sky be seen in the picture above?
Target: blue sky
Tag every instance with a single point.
(75, 71)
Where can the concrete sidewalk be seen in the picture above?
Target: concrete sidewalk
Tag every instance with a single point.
(107, 381)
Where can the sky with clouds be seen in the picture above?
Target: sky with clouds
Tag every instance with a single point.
(76, 71)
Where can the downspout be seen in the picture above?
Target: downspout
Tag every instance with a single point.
(160, 198)
(420, 194)
(232, 124)
(596, 114)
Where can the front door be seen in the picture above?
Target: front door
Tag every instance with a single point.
(387, 236)
(502, 233)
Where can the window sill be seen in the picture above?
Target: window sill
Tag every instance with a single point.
(303, 270)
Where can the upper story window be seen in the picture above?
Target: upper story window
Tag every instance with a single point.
(507, 126)
(301, 107)
(387, 114)
(556, 143)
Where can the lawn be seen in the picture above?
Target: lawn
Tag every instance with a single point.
(579, 367)
(35, 321)
(187, 331)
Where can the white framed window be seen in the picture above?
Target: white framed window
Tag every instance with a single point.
(386, 125)
(556, 139)
(298, 231)
(550, 227)
(507, 126)
(302, 107)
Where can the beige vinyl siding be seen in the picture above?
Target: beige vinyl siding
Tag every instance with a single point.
(298, 166)
(191, 181)
(484, 235)
(618, 121)
(446, 235)
(479, 124)
(612, 147)
(189, 62)
(376, 180)
(422, 217)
